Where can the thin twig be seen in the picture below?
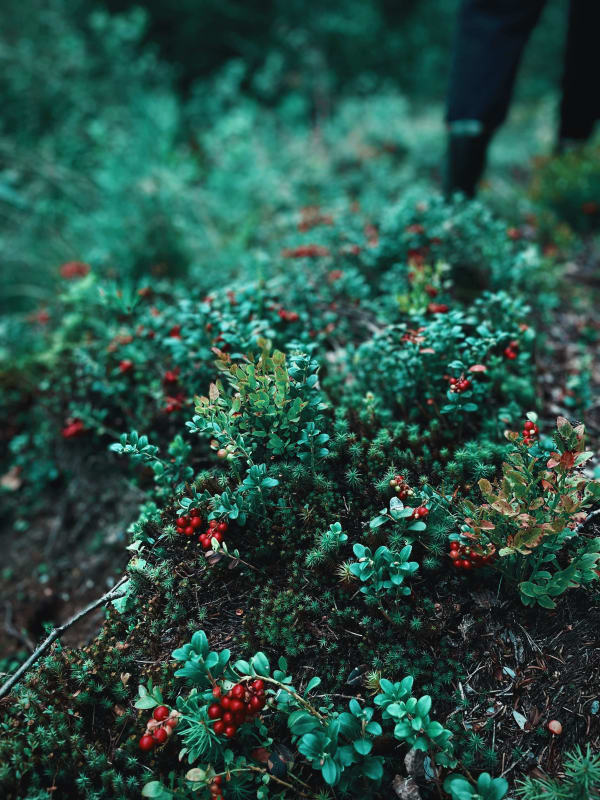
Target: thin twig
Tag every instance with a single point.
(113, 594)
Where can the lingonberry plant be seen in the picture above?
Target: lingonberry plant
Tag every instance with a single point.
(234, 713)
(529, 526)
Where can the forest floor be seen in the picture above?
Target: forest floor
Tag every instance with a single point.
(525, 667)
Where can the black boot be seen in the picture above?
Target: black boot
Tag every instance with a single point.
(465, 162)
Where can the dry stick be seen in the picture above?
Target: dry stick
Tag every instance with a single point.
(113, 594)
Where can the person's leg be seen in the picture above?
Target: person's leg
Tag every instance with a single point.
(489, 42)
(580, 106)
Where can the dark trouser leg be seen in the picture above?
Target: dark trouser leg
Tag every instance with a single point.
(489, 42)
(580, 106)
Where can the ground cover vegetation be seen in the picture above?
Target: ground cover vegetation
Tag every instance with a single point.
(361, 556)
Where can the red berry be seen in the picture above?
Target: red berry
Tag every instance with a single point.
(216, 691)
(230, 731)
(225, 702)
(189, 531)
(256, 704)
(182, 522)
(146, 742)
(458, 563)
(214, 711)
(466, 564)
(193, 512)
(213, 523)
(195, 522)
(172, 722)
(219, 727)
(218, 779)
(160, 713)
(236, 706)
(222, 527)
(237, 691)
(218, 536)
(258, 685)
(227, 717)
(161, 735)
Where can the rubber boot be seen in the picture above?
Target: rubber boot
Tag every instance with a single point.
(465, 162)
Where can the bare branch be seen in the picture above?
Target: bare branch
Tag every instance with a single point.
(113, 594)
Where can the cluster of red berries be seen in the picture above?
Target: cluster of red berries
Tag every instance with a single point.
(465, 557)
(189, 525)
(175, 399)
(459, 385)
(158, 728)
(306, 251)
(400, 486)
(171, 376)
(239, 704)
(438, 308)
(420, 513)
(73, 270)
(215, 531)
(334, 275)
(174, 402)
(511, 350)
(530, 431)
(74, 427)
(288, 316)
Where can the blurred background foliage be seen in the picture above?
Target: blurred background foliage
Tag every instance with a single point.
(175, 138)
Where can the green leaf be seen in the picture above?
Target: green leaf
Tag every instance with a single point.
(434, 729)
(458, 787)
(354, 707)
(330, 771)
(363, 746)
(311, 745)
(301, 722)
(424, 706)
(545, 602)
(154, 789)
(403, 730)
(376, 522)
(373, 768)
(200, 643)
